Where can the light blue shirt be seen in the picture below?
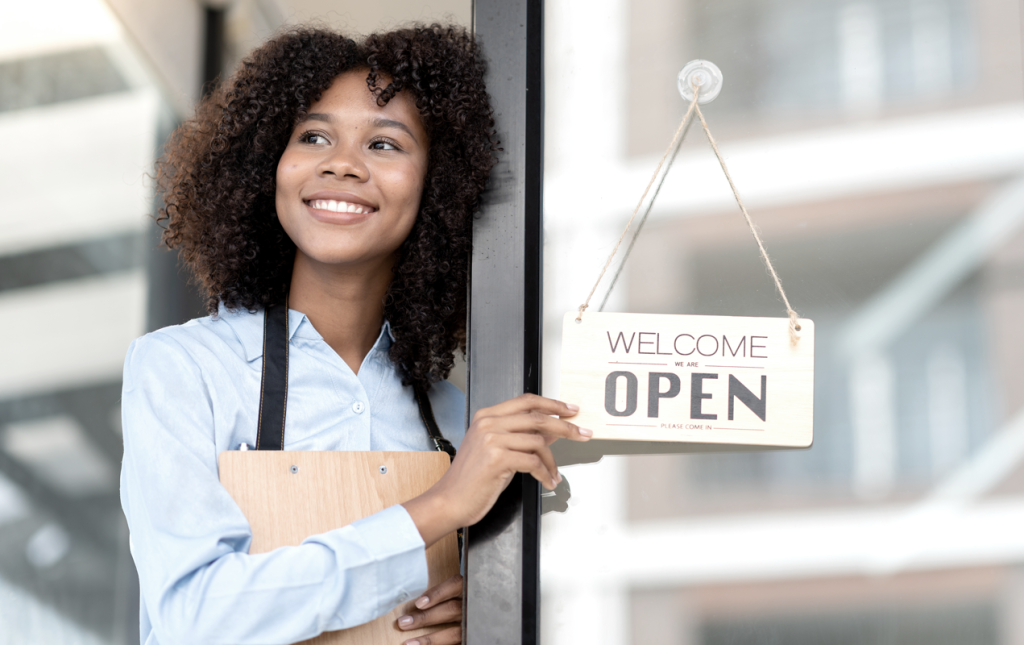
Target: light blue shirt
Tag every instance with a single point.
(191, 392)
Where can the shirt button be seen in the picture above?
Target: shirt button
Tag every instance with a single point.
(358, 407)
(403, 596)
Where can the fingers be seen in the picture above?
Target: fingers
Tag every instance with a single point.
(532, 464)
(537, 446)
(449, 611)
(534, 422)
(450, 588)
(547, 426)
(529, 403)
(440, 604)
(449, 636)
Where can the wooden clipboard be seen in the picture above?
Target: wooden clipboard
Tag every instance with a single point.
(289, 495)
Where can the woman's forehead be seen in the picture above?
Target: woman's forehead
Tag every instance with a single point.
(349, 101)
(350, 90)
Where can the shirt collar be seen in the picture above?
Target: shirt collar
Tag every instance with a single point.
(386, 329)
(248, 327)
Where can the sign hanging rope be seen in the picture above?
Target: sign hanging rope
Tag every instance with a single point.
(696, 75)
(643, 219)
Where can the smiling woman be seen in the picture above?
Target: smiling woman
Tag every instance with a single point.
(324, 199)
(348, 191)
(219, 177)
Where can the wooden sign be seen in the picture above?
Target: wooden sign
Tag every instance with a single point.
(289, 495)
(691, 379)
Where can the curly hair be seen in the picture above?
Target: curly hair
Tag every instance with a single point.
(217, 178)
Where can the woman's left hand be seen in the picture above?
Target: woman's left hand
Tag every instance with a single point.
(440, 605)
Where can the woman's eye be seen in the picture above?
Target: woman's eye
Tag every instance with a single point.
(383, 145)
(312, 137)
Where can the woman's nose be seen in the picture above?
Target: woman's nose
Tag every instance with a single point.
(343, 161)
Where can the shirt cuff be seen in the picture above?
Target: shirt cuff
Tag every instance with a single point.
(393, 544)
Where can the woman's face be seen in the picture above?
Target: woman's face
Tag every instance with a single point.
(350, 179)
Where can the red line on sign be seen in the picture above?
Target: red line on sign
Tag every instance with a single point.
(625, 363)
(742, 367)
(629, 425)
(748, 429)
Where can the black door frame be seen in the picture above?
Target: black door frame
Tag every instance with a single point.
(502, 600)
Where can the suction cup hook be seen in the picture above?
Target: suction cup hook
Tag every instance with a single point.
(705, 75)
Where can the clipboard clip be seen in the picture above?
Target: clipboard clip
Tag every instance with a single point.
(443, 445)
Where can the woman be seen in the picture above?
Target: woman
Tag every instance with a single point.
(341, 179)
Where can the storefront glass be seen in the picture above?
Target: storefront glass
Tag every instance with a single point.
(879, 148)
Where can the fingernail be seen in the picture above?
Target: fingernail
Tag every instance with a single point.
(422, 602)
(559, 478)
(412, 642)
(586, 432)
(405, 621)
(574, 408)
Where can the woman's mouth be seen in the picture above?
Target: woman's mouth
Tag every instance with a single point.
(339, 207)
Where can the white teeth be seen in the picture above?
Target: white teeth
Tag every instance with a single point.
(339, 207)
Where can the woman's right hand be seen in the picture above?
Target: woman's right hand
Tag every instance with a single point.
(505, 439)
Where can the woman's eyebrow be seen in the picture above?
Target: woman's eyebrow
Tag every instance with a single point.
(381, 122)
(319, 116)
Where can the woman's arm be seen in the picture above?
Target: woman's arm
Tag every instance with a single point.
(504, 439)
(190, 540)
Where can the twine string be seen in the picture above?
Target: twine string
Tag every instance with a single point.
(643, 218)
(678, 134)
(673, 149)
(794, 322)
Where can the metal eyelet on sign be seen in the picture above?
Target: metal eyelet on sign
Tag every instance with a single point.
(383, 470)
(294, 469)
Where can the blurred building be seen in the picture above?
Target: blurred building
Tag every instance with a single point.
(89, 90)
(880, 148)
(79, 123)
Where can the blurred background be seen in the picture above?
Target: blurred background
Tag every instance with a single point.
(89, 90)
(879, 145)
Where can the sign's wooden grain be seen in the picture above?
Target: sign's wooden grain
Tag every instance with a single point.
(328, 490)
(691, 379)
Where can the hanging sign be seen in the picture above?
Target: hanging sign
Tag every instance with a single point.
(691, 379)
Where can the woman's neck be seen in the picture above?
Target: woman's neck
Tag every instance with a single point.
(344, 304)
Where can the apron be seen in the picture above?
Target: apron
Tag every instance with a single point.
(288, 495)
(274, 388)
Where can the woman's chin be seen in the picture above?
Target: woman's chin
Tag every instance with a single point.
(342, 257)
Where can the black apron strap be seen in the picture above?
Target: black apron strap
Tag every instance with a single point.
(274, 384)
(427, 414)
(274, 388)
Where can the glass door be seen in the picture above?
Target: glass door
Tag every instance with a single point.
(879, 147)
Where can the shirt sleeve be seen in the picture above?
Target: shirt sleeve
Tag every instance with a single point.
(190, 540)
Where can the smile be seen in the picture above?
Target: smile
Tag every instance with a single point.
(340, 207)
